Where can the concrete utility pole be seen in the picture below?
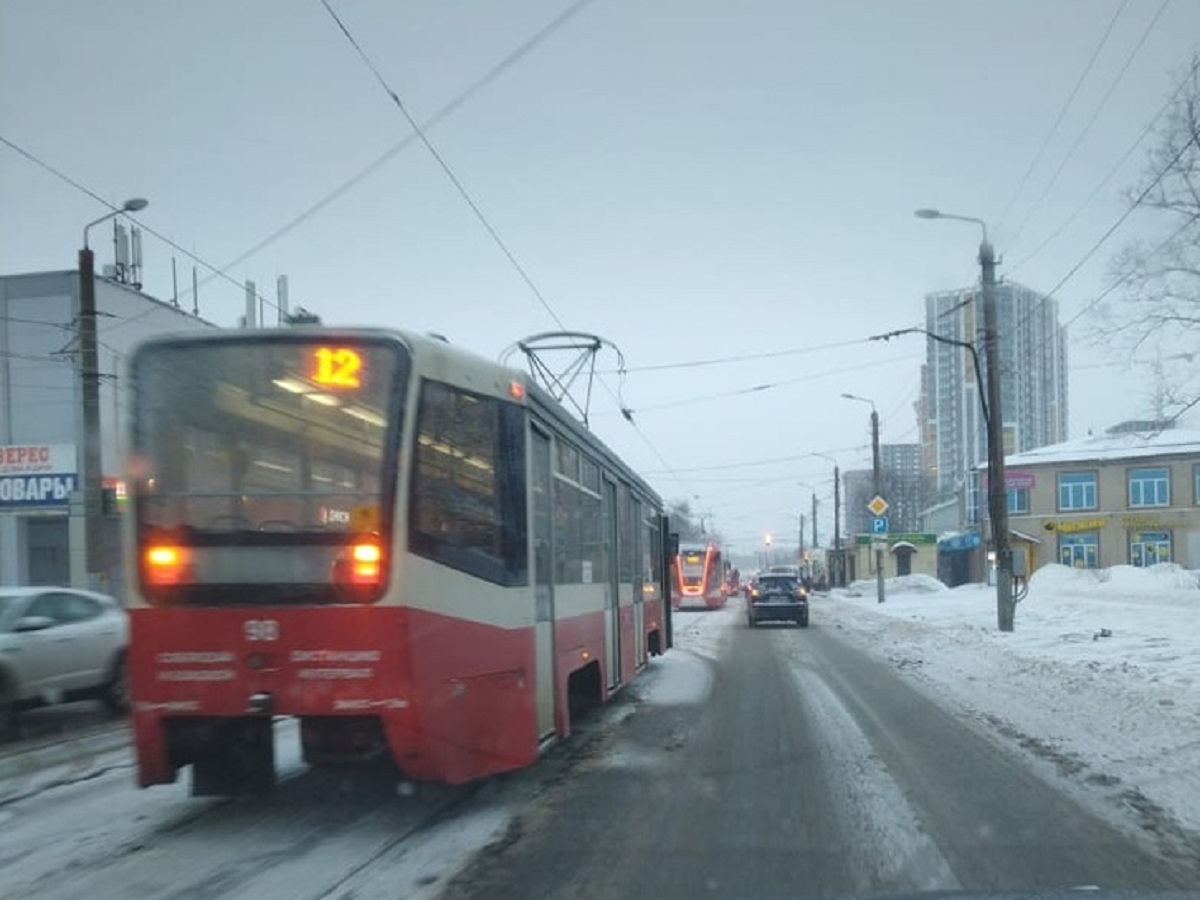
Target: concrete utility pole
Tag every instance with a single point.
(997, 483)
(90, 475)
(877, 471)
(837, 527)
(815, 542)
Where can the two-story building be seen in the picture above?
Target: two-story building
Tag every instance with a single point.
(1130, 496)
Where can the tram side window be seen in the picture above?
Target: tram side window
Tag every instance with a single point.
(468, 485)
(627, 554)
(651, 552)
(579, 555)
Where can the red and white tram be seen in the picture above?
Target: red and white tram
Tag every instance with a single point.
(699, 577)
(414, 551)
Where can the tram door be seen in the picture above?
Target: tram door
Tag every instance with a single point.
(543, 580)
(612, 587)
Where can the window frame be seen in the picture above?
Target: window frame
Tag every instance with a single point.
(1132, 481)
(1094, 477)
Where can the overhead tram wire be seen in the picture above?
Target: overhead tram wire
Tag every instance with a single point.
(769, 386)
(1092, 121)
(506, 63)
(475, 208)
(1109, 233)
(1125, 215)
(41, 163)
(741, 357)
(1037, 157)
(1113, 171)
(771, 461)
(444, 166)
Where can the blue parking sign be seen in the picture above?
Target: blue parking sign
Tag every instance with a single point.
(879, 525)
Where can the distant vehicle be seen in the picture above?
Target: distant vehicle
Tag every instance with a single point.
(698, 579)
(57, 645)
(777, 597)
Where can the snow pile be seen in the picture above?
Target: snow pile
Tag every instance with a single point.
(921, 584)
(1103, 669)
(1161, 582)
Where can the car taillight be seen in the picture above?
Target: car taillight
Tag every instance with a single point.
(166, 564)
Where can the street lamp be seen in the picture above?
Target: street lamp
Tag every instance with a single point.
(89, 367)
(994, 420)
(878, 479)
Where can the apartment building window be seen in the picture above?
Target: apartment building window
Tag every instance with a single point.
(1079, 551)
(1076, 490)
(1150, 487)
(1018, 501)
(1147, 548)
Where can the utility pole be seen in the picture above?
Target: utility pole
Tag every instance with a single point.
(878, 477)
(997, 483)
(840, 571)
(89, 367)
(815, 542)
(90, 476)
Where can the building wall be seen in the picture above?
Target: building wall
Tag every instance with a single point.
(922, 550)
(1119, 529)
(40, 405)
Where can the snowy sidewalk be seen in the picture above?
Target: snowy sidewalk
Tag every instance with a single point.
(1117, 714)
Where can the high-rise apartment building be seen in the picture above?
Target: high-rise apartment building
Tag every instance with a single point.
(1033, 381)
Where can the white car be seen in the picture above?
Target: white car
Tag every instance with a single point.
(59, 644)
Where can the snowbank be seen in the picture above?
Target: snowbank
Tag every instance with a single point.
(1101, 677)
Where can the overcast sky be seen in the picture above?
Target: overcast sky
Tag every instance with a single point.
(691, 179)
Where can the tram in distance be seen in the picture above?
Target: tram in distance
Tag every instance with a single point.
(415, 552)
(699, 577)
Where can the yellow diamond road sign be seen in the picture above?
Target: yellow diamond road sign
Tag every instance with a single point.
(878, 506)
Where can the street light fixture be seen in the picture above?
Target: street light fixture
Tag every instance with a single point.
(89, 367)
(878, 479)
(994, 419)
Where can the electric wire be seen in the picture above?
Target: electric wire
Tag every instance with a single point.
(38, 161)
(502, 66)
(1037, 157)
(1092, 121)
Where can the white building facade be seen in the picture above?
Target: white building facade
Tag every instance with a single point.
(41, 526)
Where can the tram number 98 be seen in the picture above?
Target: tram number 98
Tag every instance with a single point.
(261, 629)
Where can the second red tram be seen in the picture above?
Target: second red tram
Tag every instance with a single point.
(699, 577)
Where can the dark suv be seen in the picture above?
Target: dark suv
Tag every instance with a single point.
(776, 597)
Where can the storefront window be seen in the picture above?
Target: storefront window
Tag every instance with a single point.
(1079, 551)
(1147, 548)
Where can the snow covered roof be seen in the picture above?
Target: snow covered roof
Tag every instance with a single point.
(1102, 447)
